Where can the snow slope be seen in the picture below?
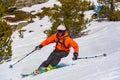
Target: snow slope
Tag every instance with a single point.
(103, 37)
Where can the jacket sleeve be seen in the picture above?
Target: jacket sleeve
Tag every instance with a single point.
(49, 40)
(74, 45)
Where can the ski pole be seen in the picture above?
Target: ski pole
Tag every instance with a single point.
(11, 66)
(93, 56)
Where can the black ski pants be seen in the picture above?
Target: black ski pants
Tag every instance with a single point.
(54, 58)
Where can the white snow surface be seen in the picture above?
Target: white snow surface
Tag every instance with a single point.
(103, 37)
(37, 8)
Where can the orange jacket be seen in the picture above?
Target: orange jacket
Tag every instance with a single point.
(68, 43)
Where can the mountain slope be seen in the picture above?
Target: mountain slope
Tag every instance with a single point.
(103, 37)
(104, 40)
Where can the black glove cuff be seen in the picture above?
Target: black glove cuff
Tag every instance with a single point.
(40, 46)
(75, 54)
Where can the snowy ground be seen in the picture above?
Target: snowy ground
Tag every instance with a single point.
(103, 38)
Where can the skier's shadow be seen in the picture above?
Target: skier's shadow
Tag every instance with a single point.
(63, 65)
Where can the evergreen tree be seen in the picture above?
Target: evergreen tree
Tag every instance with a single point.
(5, 36)
(108, 10)
(7, 4)
(70, 14)
(2, 10)
(5, 41)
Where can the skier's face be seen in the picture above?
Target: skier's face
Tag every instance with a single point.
(61, 32)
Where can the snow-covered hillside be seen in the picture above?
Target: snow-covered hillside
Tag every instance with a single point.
(103, 37)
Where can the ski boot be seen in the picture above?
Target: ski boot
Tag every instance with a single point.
(49, 68)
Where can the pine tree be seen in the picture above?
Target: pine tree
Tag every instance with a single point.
(108, 10)
(2, 10)
(5, 36)
(5, 41)
(70, 14)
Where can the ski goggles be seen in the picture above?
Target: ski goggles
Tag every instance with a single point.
(61, 31)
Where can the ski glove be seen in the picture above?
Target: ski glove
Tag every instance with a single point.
(75, 56)
(38, 47)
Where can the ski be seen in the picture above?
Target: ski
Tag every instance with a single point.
(34, 73)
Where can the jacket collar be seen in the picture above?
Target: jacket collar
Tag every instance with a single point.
(61, 37)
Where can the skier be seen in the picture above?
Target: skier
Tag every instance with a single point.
(62, 48)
